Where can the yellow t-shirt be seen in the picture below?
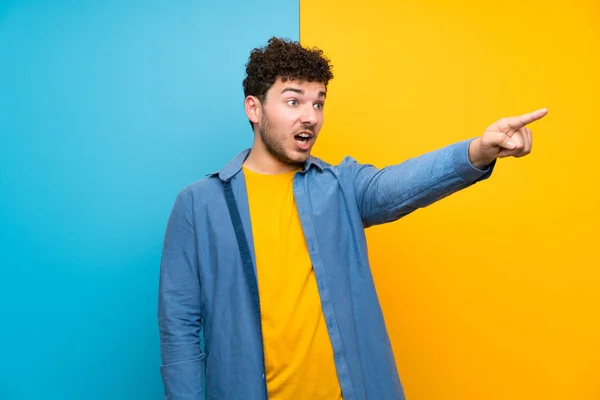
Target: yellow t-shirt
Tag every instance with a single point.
(298, 355)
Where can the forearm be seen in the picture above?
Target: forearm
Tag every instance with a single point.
(179, 327)
(183, 363)
(392, 192)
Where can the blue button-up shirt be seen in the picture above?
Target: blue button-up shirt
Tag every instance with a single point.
(204, 294)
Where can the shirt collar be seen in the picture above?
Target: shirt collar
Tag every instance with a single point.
(235, 165)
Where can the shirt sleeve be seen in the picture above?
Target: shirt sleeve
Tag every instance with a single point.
(179, 298)
(387, 194)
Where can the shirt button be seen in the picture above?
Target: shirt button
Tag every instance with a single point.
(263, 376)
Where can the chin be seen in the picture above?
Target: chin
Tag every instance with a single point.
(299, 157)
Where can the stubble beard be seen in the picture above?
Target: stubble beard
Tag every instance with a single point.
(275, 146)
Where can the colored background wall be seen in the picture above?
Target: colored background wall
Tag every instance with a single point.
(492, 293)
(107, 109)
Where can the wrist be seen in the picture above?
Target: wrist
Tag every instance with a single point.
(477, 157)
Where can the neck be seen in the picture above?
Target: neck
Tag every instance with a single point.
(262, 162)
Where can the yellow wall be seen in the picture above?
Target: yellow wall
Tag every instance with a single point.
(493, 293)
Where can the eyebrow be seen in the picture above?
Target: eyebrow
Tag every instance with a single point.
(300, 91)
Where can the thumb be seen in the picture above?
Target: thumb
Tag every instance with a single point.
(496, 139)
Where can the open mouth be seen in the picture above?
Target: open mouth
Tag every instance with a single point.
(303, 138)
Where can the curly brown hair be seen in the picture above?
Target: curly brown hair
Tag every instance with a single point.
(285, 59)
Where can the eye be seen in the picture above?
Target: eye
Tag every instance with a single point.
(292, 102)
(319, 106)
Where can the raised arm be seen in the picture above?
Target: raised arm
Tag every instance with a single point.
(384, 195)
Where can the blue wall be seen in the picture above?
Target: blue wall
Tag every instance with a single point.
(107, 109)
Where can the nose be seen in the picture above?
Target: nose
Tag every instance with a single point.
(309, 115)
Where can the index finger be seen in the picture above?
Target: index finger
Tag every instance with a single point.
(521, 121)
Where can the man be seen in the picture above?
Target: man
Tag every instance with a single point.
(266, 260)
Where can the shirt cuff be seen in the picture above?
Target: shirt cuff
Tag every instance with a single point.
(463, 166)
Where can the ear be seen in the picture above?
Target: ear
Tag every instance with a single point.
(253, 108)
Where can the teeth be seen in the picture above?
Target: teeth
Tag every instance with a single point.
(303, 138)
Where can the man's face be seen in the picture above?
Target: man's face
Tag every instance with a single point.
(291, 119)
